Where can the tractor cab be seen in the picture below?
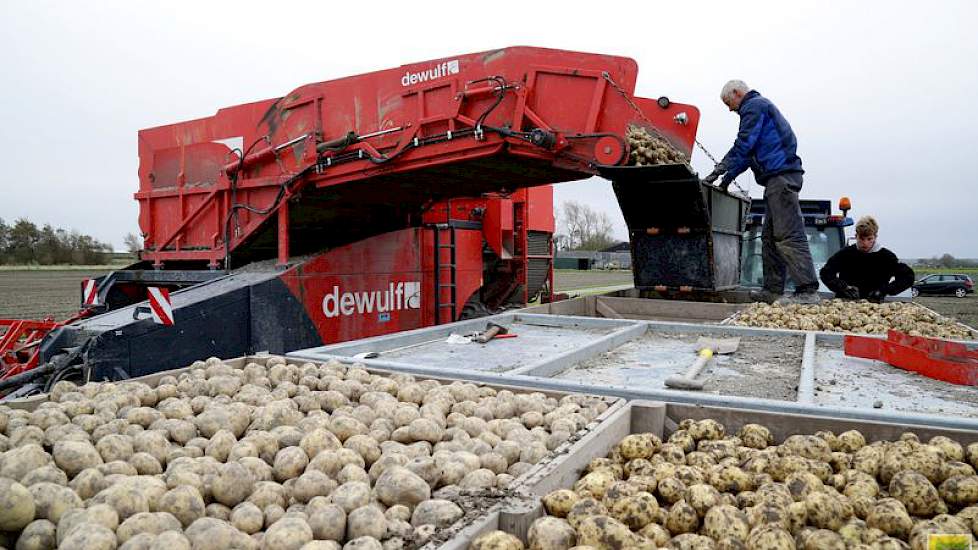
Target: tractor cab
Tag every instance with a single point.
(826, 234)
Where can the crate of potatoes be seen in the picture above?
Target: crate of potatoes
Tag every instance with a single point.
(664, 475)
(268, 452)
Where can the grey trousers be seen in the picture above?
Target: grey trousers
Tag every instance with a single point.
(784, 247)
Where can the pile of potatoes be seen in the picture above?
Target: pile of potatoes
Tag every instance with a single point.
(273, 456)
(859, 317)
(648, 149)
(706, 489)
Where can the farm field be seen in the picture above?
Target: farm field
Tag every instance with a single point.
(39, 293)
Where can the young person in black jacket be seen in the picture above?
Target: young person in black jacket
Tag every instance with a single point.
(866, 270)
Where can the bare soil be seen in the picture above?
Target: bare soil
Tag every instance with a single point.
(964, 309)
(571, 279)
(37, 294)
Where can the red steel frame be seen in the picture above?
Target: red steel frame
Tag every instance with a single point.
(19, 344)
(938, 359)
(187, 169)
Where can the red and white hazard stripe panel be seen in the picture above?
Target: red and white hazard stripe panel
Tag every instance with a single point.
(159, 303)
(89, 293)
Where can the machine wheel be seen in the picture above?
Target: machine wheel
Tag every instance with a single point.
(960, 292)
(914, 292)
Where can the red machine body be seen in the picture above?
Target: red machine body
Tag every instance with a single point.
(463, 148)
(337, 161)
(388, 201)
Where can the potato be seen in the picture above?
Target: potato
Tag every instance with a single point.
(355, 494)
(366, 521)
(959, 490)
(642, 445)
(51, 500)
(184, 503)
(212, 534)
(915, 492)
(824, 511)
(797, 516)
(147, 522)
(550, 533)
(311, 484)
(89, 536)
(496, 540)
(114, 447)
(708, 429)
(478, 480)
(39, 534)
(702, 497)
(604, 532)
(399, 485)
(287, 533)
(822, 539)
(770, 537)
(20, 461)
(635, 511)
(807, 446)
(670, 452)
(437, 512)
(99, 514)
(247, 518)
(726, 521)
(289, 463)
(170, 540)
(17, 508)
(682, 518)
(232, 484)
(952, 449)
(583, 508)
(890, 516)
(594, 484)
(363, 543)
(671, 489)
(328, 522)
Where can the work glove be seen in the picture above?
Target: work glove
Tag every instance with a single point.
(876, 296)
(715, 174)
(850, 292)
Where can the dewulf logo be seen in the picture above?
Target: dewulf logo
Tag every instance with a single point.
(395, 297)
(438, 71)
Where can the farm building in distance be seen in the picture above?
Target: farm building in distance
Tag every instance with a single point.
(613, 257)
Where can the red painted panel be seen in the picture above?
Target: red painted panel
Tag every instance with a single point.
(368, 288)
(540, 208)
(498, 226)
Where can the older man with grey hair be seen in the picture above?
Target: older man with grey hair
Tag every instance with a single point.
(766, 144)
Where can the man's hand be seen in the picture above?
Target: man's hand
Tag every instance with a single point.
(876, 296)
(850, 292)
(718, 171)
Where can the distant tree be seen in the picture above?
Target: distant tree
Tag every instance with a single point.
(133, 243)
(587, 229)
(561, 242)
(23, 243)
(22, 246)
(947, 260)
(4, 235)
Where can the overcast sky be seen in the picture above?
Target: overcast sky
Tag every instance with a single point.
(882, 95)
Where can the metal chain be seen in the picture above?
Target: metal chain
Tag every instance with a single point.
(641, 115)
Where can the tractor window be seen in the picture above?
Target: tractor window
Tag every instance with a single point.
(823, 243)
